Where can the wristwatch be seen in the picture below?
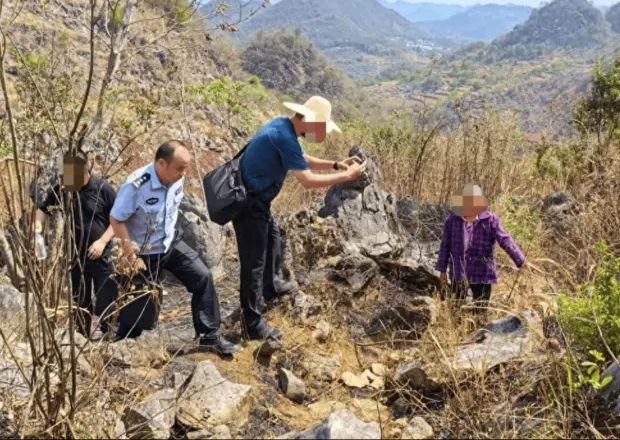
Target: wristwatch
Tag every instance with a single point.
(336, 166)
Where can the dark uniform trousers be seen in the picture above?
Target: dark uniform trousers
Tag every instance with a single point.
(184, 263)
(93, 279)
(260, 255)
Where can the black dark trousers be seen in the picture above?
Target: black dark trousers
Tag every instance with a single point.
(481, 293)
(260, 255)
(92, 279)
(184, 263)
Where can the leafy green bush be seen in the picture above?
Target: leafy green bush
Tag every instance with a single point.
(519, 219)
(233, 99)
(592, 318)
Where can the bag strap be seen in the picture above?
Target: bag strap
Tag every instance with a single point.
(240, 152)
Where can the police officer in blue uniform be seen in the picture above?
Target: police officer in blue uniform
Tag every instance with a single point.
(145, 213)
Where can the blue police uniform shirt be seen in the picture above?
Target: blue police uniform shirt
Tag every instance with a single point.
(149, 209)
(271, 154)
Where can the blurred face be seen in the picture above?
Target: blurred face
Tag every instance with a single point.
(314, 132)
(170, 172)
(469, 207)
(74, 173)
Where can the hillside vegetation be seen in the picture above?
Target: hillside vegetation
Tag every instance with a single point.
(369, 344)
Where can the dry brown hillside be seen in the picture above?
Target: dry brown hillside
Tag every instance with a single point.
(369, 348)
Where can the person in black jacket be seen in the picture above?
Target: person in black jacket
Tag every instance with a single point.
(92, 199)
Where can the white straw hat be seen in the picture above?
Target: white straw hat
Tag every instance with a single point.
(315, 109)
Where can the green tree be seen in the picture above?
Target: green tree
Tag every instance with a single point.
(599, 112)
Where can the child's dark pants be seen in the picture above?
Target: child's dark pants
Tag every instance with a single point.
(481, 293)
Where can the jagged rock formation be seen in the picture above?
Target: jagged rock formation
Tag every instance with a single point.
(205, 236)
(365, 214)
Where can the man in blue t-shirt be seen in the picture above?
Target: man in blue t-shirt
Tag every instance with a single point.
(271, 154)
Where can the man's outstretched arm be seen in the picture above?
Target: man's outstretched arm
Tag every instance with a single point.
(310, 180)
(316, 164)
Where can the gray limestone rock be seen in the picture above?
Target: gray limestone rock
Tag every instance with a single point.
(152, 418)
(208, 399)
(342, 424)
(293, 387)
(201, 234)
(611, 393)
(365, 214)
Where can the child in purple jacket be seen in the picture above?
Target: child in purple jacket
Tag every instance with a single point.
(467, 246)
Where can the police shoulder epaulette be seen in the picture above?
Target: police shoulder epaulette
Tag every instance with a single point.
(141, 180)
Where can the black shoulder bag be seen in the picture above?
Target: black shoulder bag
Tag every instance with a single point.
(225, 191)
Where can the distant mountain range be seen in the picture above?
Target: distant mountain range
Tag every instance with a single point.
(417, 12)
(361, 37)
(562, 24)
(613, 17)
(484, 22)
(329, 23)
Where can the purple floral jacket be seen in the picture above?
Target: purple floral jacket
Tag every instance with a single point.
(477, 263)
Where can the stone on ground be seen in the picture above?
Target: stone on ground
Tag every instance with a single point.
(208, 400)
(499, 342)
(321, 368)
(342, 424)
(413, 375)
(322, 331)
(152, 418)
(417, 428)
(292, 386)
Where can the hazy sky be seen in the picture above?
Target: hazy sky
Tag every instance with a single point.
(533, 3)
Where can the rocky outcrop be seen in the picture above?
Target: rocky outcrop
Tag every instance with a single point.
(357, 236)
(558, 211)
(203, 235)
(365, 214)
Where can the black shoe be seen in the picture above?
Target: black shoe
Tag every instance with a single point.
(286, 287)
(264, 332)
(281, 288)
(218, 344)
